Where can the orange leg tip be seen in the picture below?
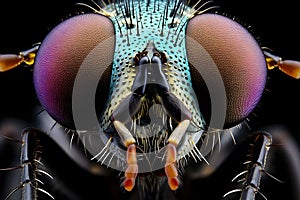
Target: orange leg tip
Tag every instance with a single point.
(10, 61)
(290, 67)
(171, 170)
(173, 183)
(129, 184)
(131, 171)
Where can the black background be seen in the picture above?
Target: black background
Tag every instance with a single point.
(274, 23)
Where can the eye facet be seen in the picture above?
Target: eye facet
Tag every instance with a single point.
(60, 57)
(238, 57)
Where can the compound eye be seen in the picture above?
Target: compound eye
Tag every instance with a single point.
(238, 58)
(60, 57)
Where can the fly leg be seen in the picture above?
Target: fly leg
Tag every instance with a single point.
(29, 160)
(265, 145)
(177, 111)
(250, 178)
(124, 112)
(256, 165)
(47, 164)
(10, 61)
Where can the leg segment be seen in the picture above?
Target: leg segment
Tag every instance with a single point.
(28, 160)
(256, 165)
(176, 109)
(132, 168)
(46, 170)
(170, 168)
(29, 156)
(272, 149)
(10, 61)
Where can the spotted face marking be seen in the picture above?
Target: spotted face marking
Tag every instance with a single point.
(151, 94)
(145, 89)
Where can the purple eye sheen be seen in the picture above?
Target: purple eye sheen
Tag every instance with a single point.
(60, 57)
(238, 58)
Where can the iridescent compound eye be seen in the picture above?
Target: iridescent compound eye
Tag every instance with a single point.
(239, 60)
(60, 57)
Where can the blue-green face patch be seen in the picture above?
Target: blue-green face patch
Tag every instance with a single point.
(163, 23)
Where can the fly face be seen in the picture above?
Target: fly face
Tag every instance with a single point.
(146, 64)
(151, 101)
(151, 111)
